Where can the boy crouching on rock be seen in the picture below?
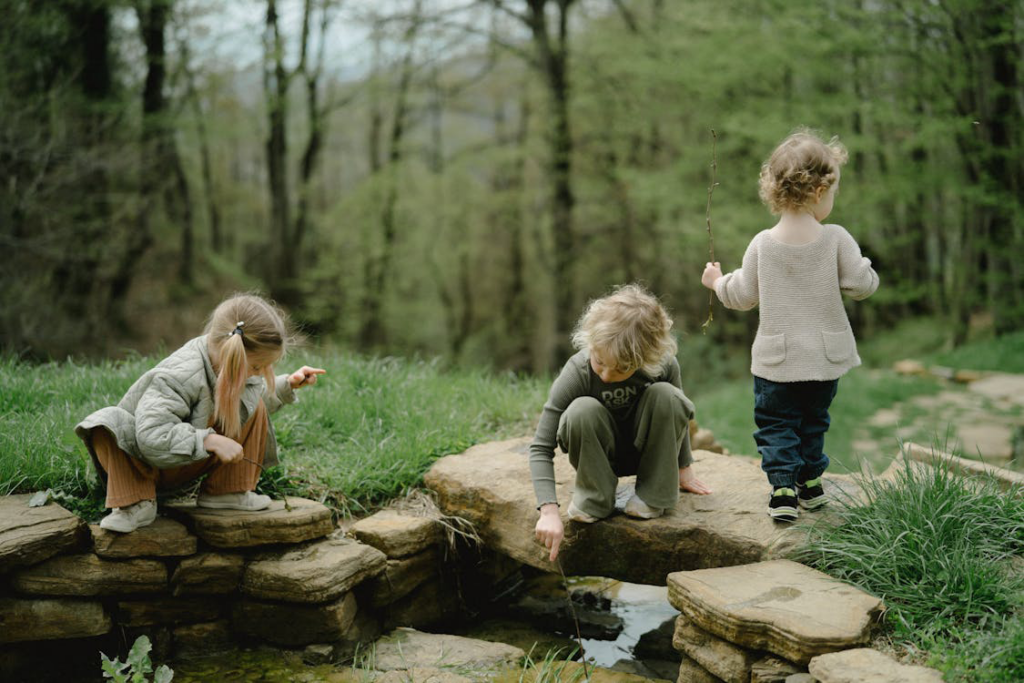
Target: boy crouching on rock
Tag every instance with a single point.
(617, 408)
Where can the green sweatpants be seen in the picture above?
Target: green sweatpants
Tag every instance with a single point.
(600, 450)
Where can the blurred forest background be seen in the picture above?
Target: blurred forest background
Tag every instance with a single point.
(457, 179)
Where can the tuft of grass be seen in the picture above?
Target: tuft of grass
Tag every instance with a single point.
(363, 435)
(939, 549)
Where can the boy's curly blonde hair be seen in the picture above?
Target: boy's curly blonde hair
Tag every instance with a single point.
(801, 165)
(630, 327)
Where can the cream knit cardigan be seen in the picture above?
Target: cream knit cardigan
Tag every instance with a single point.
(803, 333)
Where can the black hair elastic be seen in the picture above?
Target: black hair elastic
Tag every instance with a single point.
(238, 329)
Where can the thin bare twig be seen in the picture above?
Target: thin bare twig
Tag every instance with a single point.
(572, 610)
(711, 238)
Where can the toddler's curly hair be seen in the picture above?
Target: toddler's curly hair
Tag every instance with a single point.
(801, 165)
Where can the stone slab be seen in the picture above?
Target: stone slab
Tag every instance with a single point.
(208, 574)
(489, 485)
(1001, 387)
(401, 576)
(729, 662)
(781, 606)
(865, 664)
(692, 672)
(306, 520)
(31, 620)
(316, 572)
(87, 575)
(396, 534)
(29, 535)
(293, 625)
(163, 538)
(166, 611)
(771, 669)
(406, 648)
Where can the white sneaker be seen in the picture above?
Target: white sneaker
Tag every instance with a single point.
(250, 501)
(127, 519)
(577, 515)
(641, 510)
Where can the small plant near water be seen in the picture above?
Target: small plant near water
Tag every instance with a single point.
(554, 668)
(946, 554)
(137, 666)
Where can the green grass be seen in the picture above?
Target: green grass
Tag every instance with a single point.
(940, 550)
(999, 354)
(366, 433)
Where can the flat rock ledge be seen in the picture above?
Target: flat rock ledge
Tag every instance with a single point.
(396, 534)
(32, 534)
(317, 572)
(163, 538)
(305, 521)
(490, 486)
(865, 664)
(780, 606)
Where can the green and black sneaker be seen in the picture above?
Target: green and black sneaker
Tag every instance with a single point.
(782, 504)
(810, 494)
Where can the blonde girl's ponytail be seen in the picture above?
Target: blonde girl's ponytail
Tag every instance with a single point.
(244, 330)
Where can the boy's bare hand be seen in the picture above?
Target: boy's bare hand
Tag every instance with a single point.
(712, 271)
(227, 450)
(304, 376)
(688, 481)
(549, 529)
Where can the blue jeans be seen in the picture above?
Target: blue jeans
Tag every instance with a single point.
(792, 418)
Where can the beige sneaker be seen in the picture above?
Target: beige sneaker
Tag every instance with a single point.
(641, 510)
(577, 515)
(128, 519)
(249, 501)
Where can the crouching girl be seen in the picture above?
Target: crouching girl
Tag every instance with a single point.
(203, 410)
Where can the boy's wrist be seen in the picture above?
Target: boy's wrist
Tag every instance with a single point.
(549, 509)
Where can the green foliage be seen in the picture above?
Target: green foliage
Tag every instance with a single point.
(940, 550)
(135, 668)
(1000, 354)
(553, 668)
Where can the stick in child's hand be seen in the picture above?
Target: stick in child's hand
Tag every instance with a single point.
(711, 239)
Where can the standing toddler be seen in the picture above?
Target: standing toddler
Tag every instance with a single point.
(797, 272)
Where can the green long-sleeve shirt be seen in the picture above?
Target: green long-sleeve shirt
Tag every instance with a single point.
(578, 379)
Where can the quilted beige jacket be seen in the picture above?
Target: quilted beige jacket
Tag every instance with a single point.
(164, 417)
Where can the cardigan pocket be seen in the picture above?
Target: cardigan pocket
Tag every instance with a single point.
(769, 349)
(838, 345)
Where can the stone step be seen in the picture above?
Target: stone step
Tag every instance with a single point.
(163, 538)
(396, 534)
(301, 520)
(490, 486)
(88, 575)
(32, 534)
(29, 620)
(865, 664)
(315, 572)
(780, 606)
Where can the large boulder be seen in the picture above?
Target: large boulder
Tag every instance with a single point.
(781, 606)
(490, 486)
(32, 534)
(316, 572)
(865, 664)
(296, 521)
